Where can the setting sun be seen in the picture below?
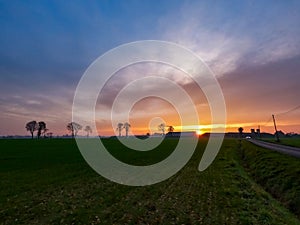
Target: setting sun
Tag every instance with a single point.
(199, 132)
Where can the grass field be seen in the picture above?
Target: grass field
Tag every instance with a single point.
(295, 142)
(48, 182)
(279, 174)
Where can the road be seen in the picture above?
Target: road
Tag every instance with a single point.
(293, 151)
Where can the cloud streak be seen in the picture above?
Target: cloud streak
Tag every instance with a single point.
(229, 34)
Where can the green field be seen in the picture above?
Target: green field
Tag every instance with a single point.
(295, 142)
(277, 173)
(48, 182)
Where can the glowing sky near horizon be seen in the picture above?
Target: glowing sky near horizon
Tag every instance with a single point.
(252, 47)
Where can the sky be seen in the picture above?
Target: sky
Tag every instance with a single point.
(251, 47)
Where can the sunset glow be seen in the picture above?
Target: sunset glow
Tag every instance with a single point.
(257, 67)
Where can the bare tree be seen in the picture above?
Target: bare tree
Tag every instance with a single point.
(162, 128)
(126, 127)
(74, 127)
(31, 127)
(88, 130)
(70, 128)
(171, 129)
(44, 132)
(241, 131)
(120, 126)
(41, 128)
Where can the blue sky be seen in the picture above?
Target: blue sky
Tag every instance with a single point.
(45, 47)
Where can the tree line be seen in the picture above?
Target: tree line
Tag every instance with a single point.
(41, 129)
(74, 128)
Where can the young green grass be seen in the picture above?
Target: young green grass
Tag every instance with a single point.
(48, 182)
(278, 173)
(290, 141)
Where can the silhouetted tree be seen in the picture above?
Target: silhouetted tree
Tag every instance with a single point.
(120, 126)
(171, 129)
(74, 127)
(50, 134)
(162, 127)
(241, 131)
(126, 127)
(31, 127)
(44, 132)
(41, 128)
(88, 130)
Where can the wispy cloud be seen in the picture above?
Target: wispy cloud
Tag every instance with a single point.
(226, 34)
(157, 92)
(55, 110)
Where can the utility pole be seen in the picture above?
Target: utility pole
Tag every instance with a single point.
(276, 133)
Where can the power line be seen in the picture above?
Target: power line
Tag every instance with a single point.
(268, 121)
(291, 110)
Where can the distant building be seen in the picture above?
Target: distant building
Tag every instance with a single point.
(255, 133)
(292, 134)
(182, 134)
(266, 135)
(236, 135)
(258, 133)
(280, 134)
(157, 135)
